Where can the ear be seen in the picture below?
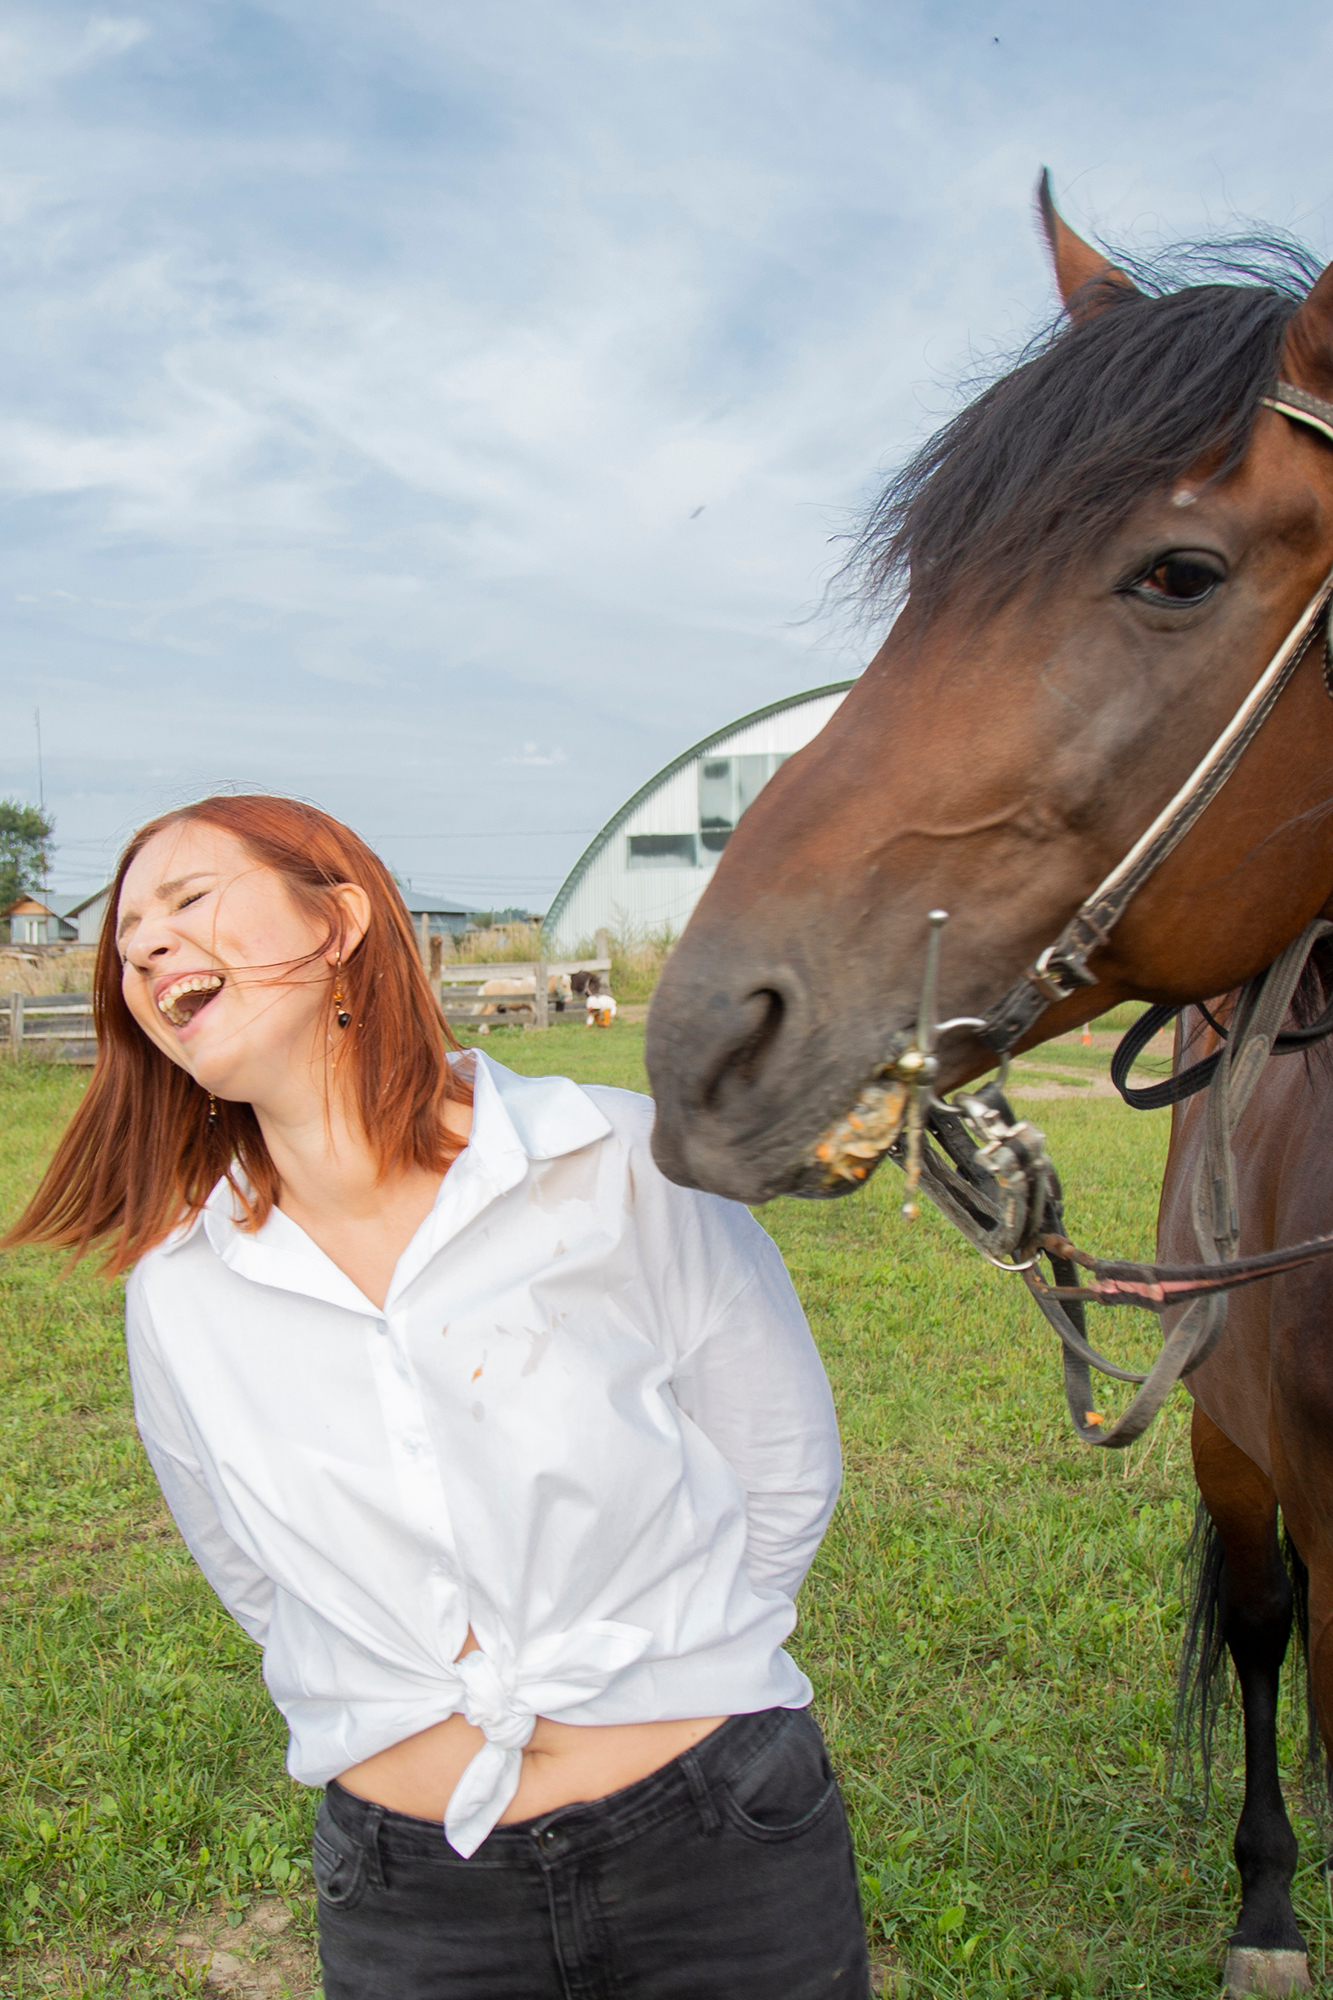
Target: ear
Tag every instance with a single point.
(1077, 264)
(1307, 348)
(355, 906)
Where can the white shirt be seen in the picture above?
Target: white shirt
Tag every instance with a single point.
(589, 1421)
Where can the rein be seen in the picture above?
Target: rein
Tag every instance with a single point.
(988, 1171)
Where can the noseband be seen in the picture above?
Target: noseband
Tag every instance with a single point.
(988, 1170)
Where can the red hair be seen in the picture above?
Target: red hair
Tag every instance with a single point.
(139, 1155)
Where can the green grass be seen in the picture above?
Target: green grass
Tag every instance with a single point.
(991, 1625)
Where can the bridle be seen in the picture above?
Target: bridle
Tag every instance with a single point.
(988, 1171)
(1063, 966)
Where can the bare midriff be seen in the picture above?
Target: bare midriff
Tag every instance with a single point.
(564, 1763)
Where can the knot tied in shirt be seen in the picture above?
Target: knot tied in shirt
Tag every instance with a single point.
(502, 1694)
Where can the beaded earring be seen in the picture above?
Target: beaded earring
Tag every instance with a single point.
(212, 1118)
(340, 1013)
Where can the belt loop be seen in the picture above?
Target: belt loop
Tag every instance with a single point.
(705, 1805)
(370, 1843)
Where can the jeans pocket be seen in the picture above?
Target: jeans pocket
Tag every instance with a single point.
(788, 1788)
(339, 1862)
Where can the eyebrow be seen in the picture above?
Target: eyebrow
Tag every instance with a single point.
(163, 889)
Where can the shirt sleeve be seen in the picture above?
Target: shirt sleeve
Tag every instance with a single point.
(756, 1387)
(243, 1587)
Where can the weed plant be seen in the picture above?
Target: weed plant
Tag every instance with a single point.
(991, 1625)
(495, 944)
(637, 957)
(30, 972)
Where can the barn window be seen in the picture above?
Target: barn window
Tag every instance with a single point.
(717, 803)
(727, 786)
(662, 850)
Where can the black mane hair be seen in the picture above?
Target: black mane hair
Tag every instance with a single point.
(1093, 415)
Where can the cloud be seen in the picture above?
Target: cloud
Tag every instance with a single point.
(364, 372)
(38, 49)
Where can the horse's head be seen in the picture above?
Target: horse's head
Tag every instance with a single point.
(1102, 553)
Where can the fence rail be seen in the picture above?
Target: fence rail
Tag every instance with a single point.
(58, 1027)
(530, 1006)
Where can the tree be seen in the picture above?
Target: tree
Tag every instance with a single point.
(25, 834)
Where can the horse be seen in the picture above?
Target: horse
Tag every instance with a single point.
(1093, 561)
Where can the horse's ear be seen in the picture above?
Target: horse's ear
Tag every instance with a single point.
(1078, 267)
(1307, 350)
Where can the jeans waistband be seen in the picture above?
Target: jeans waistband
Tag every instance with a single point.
(683, 1785)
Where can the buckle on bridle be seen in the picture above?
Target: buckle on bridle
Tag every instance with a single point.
(1056, 978)
(992, 1176)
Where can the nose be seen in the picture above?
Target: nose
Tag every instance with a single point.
(723, 1037)
(746, 1027)
(146, 943)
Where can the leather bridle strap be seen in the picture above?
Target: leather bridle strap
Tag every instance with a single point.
(1063, 966)
(1302, 408)
(1201, 1288)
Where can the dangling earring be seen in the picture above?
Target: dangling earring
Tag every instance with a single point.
(212, 1113)
(340, 1013)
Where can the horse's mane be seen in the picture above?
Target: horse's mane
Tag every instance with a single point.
(1088, 418)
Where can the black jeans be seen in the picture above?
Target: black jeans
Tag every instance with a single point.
(727, 1875)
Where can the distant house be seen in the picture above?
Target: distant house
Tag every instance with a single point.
(442, 913)
(49, 919)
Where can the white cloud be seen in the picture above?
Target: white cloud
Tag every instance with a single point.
(38, 49)
(364, 370)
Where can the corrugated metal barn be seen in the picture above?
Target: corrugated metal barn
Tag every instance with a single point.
(650, 864)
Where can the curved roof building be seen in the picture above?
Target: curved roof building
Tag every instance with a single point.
(652, 861)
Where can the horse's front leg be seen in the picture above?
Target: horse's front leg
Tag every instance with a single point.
(1254, 1606)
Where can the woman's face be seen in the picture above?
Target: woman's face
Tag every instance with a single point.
(221, 968)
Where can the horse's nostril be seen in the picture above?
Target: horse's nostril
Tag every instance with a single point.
(742, 1062)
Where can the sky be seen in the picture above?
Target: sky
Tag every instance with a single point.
(449, 413)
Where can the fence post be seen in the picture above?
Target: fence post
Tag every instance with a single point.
(423, 933)
(603, 944)
(543, 1019)
(15, 1023)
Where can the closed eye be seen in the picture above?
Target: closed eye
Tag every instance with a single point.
(1180, 578)
(186, 901)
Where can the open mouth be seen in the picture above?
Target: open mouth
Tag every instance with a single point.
(850, 1149)
(188, 996)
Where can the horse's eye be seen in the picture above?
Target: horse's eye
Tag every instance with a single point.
(1179, 579)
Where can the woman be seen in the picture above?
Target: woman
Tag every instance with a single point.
(510, 1454)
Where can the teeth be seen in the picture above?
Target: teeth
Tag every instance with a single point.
(194, 982)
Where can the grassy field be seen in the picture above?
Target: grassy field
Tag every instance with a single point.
(991, 1625)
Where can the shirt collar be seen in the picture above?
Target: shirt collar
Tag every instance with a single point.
(544, 1115)
(515, 1119)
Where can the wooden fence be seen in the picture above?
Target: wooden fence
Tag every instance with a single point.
(466, 1006)
(58, 1027)
(55, 1026)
